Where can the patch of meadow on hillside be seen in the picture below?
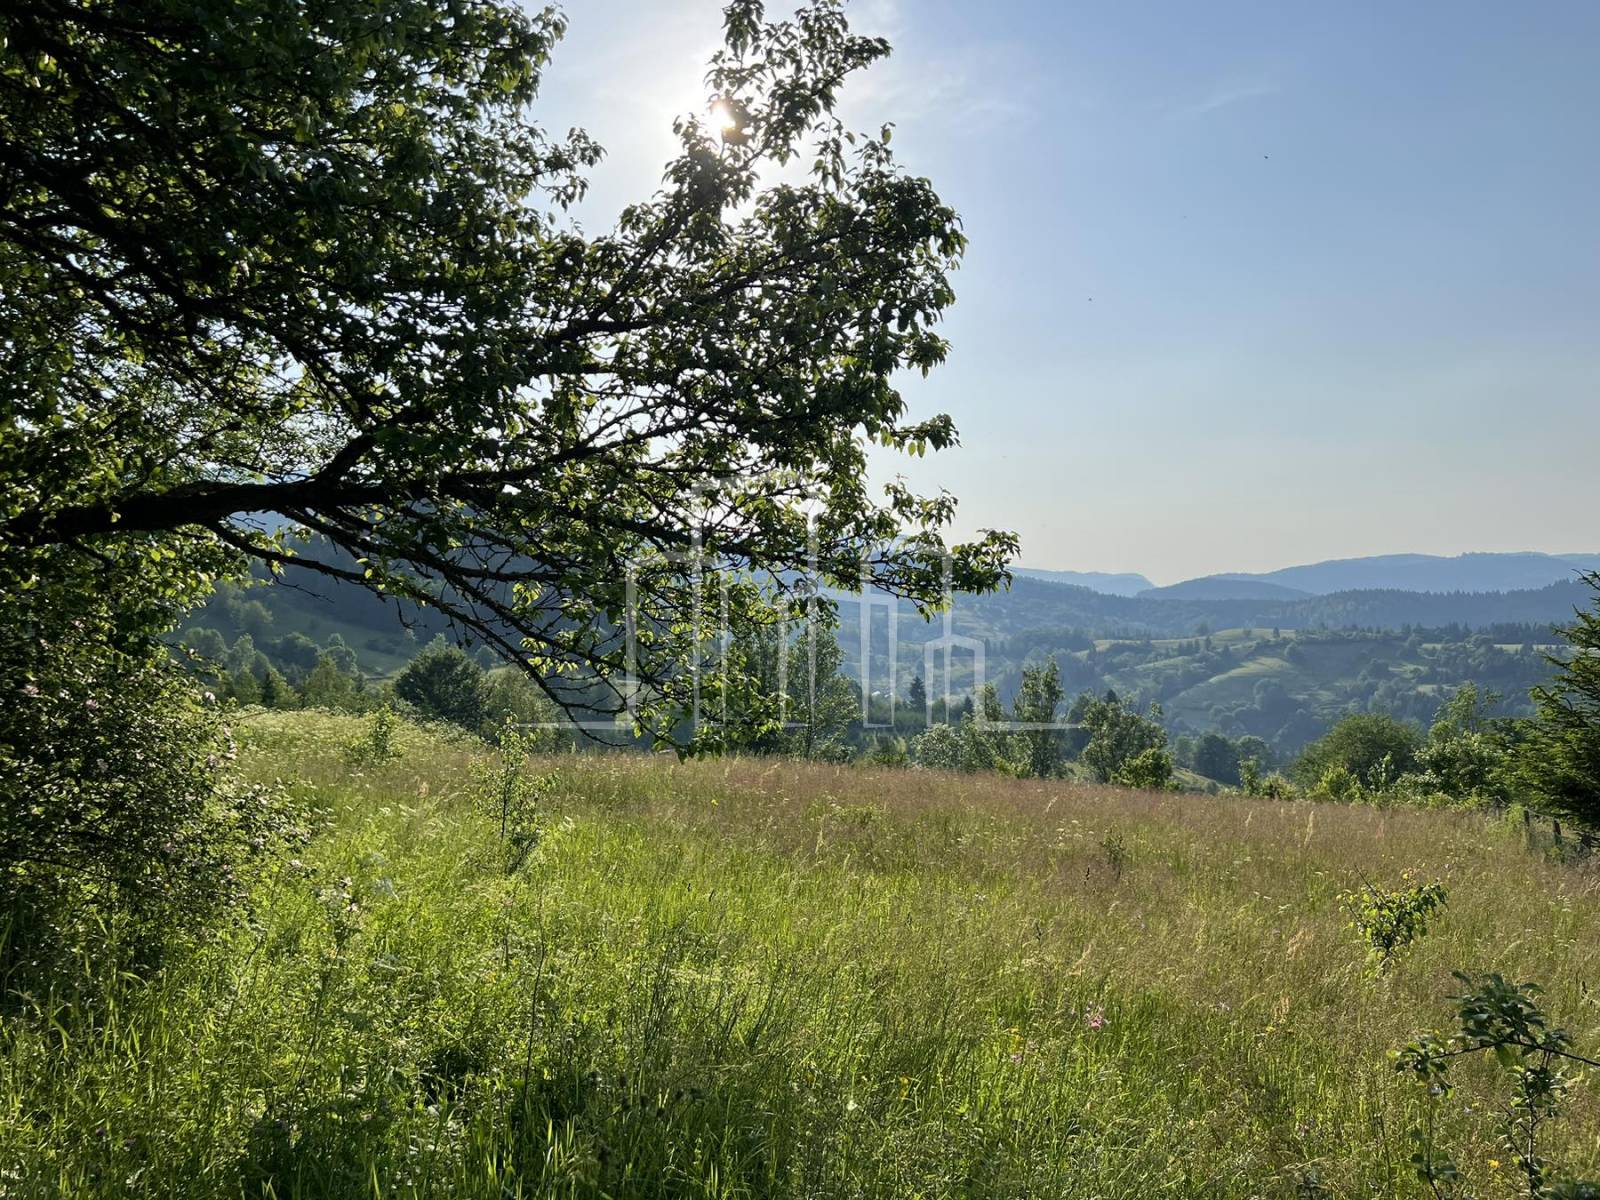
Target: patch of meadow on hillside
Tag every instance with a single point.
(750, 977)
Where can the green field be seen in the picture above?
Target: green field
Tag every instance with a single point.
(762, 978)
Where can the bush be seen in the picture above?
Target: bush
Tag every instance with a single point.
(119, 827)
(1338, 783)
(377, 743)
(887, 750)
(969, 747)
(1389, 920)
(1504, 1023)
(505, 791)
(1253, 783)
(1150, 770)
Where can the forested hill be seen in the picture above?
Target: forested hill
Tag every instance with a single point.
(1279, 670)
(1036, 604)
(377, 630)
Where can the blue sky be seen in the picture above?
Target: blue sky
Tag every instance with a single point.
(1250, 284)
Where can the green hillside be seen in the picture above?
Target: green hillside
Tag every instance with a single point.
(757, 978)
(1283, 684)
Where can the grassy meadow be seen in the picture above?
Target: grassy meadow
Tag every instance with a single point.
(749, 978)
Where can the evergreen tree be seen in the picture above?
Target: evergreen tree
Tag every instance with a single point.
(1560, 758)
(278, 692)
(918, 694)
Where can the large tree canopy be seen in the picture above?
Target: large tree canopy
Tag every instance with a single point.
(313, 258)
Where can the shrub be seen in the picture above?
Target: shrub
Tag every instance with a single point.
(119, 825)
(938, 748)
(1503, 1021)
(506, 791)
(1390, 920)
(1149, 770)
(1117, 854)
(1338, 783)
(377, 744)
(1253, 783)
(887, 750)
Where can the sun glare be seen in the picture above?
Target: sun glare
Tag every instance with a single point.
(722, 115)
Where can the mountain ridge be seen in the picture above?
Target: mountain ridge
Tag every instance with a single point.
(1469, 572)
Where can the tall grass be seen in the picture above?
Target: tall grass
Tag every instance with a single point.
(751, 978)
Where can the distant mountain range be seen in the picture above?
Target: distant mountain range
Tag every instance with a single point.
(1384, 572)
(1106, 583)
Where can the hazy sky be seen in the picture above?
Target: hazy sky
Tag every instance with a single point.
(1250, 284)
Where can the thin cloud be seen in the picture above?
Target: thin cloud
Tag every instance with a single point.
(1226, 97)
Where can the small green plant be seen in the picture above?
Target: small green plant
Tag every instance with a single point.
(505, 790)
(1504, 1020)
(1389, 920)
(377, 744)
(888, 751)
(1118, 856)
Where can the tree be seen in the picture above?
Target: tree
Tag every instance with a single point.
(297, 654)
(514, 702)
(1467, 753)
(244, 658)
(313, 260)
(809, 704)
(244, 687)
(1560, 757)
(444, 683)
(207, 646)
(917, 694)
(1037, 701)
(327, 686)
(276, 691)
(1217, 758)
(1374, 748)
(1117, 735)
(823, 701)
(967, 746)
(342, 656)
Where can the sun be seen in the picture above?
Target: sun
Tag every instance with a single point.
(723, 116)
